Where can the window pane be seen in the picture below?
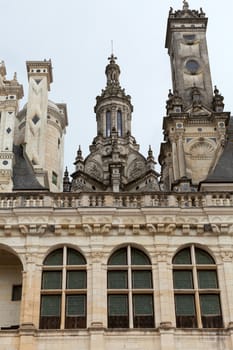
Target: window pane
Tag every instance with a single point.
(119, 257)
(182, 279)
(75, 305)
(118, 305)
(76, 280)
(74, 257)
(139, 258)
(143, 304)
(108, 124)
(207, 279)
(50, 305)
(119, 123)
(184, 305)
(141, 279)
(183, 257)
(210, 304)
(202, 257)
(55, 258)
(117, 279)
(52, 280)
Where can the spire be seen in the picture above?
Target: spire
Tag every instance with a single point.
(79, 163)
(112, 71)
(66, 181)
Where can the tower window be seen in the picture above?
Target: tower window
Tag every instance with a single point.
(54, 178)
(196, 291)
(108, 123)
(63, 290)
(119, 123)
(130, 290)
(192, 66)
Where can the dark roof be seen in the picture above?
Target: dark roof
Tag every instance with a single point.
(23, 174)
(223, 171)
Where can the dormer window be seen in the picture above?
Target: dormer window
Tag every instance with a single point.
(108, 123)
(119, 123)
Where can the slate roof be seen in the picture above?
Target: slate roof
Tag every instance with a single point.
(223, 172)
(23, 174)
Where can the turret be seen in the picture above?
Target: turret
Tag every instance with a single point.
(114, 163)
(10, 94)
(41, 127)
(195, 124)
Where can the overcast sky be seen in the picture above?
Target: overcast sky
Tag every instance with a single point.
(77, 34)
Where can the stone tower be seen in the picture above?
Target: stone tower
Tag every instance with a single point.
(114, 163)
(41, 127)
(195, 124)
(10, 94)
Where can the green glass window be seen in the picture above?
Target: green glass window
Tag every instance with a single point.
(50, 305)
(74, 257)
(203, 257)
(52, 280)
(143, 304)
(75, 305)
(196, 290)
(55, 258)
(182, 279)
(76, 279)
(210, 304)
(118, 305)
(185, 305)
(117, 279)
(183, 257)
(63, 281)
(207, 279)
(138, 257)
(119, 257)
(141, 279)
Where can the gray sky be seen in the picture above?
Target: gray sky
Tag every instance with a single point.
(77, 34)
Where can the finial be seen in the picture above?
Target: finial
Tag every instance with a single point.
(112, 71)
(150, 152)
(185, 5)
(112, 58)
(79, 154)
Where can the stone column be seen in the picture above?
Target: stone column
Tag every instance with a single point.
(225, 277)
(165, 287)
(97, 303)
(175, 160)
(181, 157)
(166, 303)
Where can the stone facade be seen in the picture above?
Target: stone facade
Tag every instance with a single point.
(119, 259)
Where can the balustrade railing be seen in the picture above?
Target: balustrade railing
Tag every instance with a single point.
(115, 200)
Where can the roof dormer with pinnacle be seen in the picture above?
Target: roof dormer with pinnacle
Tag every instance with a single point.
(114, 163)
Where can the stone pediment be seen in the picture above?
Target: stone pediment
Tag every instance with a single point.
(198, 110)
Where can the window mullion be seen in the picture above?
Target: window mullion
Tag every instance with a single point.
(130, 288)
(195, 283)
(63, 296)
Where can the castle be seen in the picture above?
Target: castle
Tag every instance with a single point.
(114, 254)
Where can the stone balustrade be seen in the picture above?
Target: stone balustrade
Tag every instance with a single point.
(115, 200)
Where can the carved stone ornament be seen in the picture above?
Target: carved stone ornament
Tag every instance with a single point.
(227, 256)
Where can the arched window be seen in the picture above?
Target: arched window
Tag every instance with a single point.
(63, 290)
(130, 290)
(196, 290)
(108, 123)
(119, 123)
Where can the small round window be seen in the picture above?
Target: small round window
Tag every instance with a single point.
(192, 66)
